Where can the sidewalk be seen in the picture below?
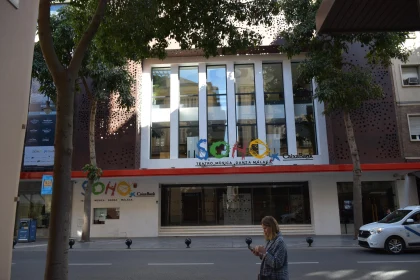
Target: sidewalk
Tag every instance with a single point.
(199, 242)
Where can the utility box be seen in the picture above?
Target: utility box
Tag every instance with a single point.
(27, 230)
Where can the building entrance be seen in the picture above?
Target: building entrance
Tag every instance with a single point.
(377, 197)
(234, 204)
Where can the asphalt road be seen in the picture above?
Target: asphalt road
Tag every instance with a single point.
(220, 264)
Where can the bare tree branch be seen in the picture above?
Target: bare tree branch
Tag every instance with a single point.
(46, 40)
(85, 84)
(87, 37)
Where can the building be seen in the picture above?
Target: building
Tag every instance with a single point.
(213, 145)
(341, 16)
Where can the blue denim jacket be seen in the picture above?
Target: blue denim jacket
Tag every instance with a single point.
(274, 264)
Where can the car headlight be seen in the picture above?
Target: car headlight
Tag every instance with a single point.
(376, 230)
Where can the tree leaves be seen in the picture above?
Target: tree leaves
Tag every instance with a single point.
(140, 29)
(109, 75)
(342, 85)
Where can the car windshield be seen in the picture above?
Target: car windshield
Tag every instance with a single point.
(395, 216)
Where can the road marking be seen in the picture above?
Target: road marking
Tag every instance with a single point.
(180, 263)
(300, 263)
(30, 246)
(84, 264)
(389, 261)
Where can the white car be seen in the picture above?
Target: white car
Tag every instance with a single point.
(396, 232)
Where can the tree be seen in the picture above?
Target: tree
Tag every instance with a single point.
(135, 29)
(341, 85)
(107, 79)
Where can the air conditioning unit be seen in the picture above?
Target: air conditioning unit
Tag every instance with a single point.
(413, 81)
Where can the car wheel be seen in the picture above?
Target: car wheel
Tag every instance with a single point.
(394, 245)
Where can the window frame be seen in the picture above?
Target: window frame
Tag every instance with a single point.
(409, 65)
(207, 106)
(237, 121)
(409, 126)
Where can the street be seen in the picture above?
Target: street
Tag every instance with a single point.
(220, 263)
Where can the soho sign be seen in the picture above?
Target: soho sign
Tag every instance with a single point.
(122, 188)
(221, 149)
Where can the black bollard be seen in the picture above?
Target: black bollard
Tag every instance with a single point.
(71, 243)
(310, 240)
(188, 242)
(128, 242)
(14, 243)
(248, 241)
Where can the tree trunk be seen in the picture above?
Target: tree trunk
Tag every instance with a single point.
(88, 192)
(357, 174)
(57, 254)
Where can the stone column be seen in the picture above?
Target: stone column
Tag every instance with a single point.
(17, 33)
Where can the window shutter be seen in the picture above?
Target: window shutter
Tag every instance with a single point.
(414, 123)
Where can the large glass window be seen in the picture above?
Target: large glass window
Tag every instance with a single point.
(377, 197)
(246, 118)
(217, 127)
(188, 112)
(275, 113)
(235, 204)
(161, 113)
(100, 215)
(306, 141)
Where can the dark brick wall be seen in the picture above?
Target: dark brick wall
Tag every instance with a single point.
(375, 123)
(116, 131)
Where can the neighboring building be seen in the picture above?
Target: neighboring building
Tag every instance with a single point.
(213, 145)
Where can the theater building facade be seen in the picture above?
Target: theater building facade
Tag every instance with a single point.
(214, 145)
(228, 140)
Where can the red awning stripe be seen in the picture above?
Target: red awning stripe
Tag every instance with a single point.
(236, 170)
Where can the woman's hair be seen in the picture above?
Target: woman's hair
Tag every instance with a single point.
(271, 223)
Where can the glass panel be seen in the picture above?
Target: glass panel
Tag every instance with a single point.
(275, 115)
(304, 115)
(244, 79)
(35, 206)
(246, 134)
(160, 103)
(277, 139)
(160, 143)
(188, 81)
(188, 109)
(188, 139)
(273, 78)
(215, 133)
(245, 109)
(216, 109)
(235, 204)
(161, 113)
(216, 80)
(161, 80)
(188, 112)
(377, 197)
(100, 215)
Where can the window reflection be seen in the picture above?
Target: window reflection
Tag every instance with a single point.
(188, 112)
(304, 114)
(35, 206)
(275, 114)
(246, 118)
(235, 204)
(217, 128)
(161, 114)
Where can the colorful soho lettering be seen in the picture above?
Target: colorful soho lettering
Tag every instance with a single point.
(123, 188)
(215, 145)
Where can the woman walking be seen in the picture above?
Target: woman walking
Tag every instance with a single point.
(274, 255)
